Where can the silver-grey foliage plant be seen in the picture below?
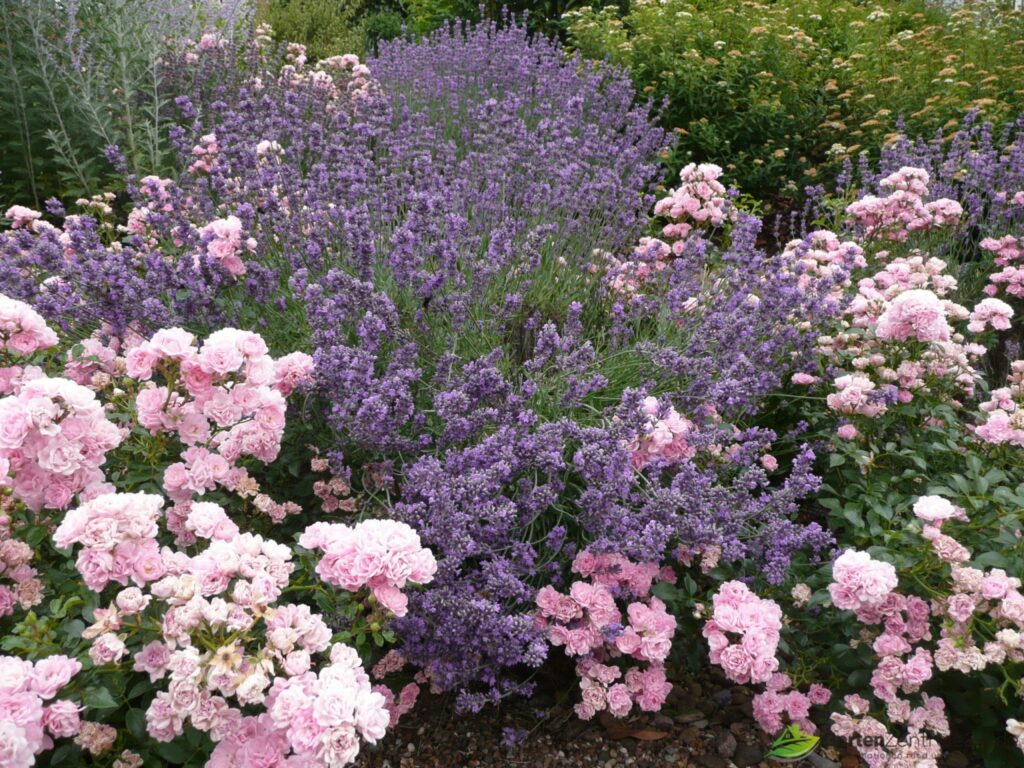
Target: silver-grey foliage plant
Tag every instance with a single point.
(78, 76)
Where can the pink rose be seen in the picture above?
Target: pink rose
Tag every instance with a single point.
(619, 700)
(392, 598)
(139, 362)
(51, 674)
(96, 567)
(735, 662)
(107, 649)
(14, 424)
(61, 719)
(918, 668)
(153, 659)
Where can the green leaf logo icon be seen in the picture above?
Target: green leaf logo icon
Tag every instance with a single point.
(792, 745)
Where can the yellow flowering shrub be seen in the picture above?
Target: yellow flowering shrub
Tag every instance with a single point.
(780, 94)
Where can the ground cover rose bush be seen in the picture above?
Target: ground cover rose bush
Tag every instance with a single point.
(172, 609)
(981, 168)
(912, 629)
(589, 625)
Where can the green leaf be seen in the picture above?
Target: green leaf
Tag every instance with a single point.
(141, 687)
(35, 536)
(792, 744)
(65, 754)
(173, 752)
(853, 516)
(99, 698)
(136, 722)
(74, 629)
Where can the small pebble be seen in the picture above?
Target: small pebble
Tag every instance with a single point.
(747, 755)
(690, 717)
(725, 744)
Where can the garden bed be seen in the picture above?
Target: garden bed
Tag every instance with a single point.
(411, 414)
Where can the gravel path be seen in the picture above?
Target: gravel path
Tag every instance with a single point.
(706, 724)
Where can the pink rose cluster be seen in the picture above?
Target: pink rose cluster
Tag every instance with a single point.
(158, 196)
(650, 257)
(904, 273)
(224, 401)
(780, 701)
(700, 201)
(867, 587)
(980, 619)
(117, 532)
(338, 82)
(206, 520)
(1009, 255)
(989, 601)
(607, 687)
(390, 663)
(224, 242)
(619, 573)
(198, 685)
(990, 313)
(588, 623)
(881, 748)
(334, 493)
(28, 724)
(23, 587)
(665, 438)
(934, 510)
(977, 598)
(905, 301)
(22, 330)
(743, 633)
(915, 314)
(859, 582)
(399, 705)
(223, 599)
(205, 154)
(95, 362)
(856, 394)
(54, 437)
(97, 738)
(22, 217)
(1004, 421)
(903, 209)
(379, 555)
(313, 719)
(292, 371)
(350, 78)
(904, 621)
(254, 568)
